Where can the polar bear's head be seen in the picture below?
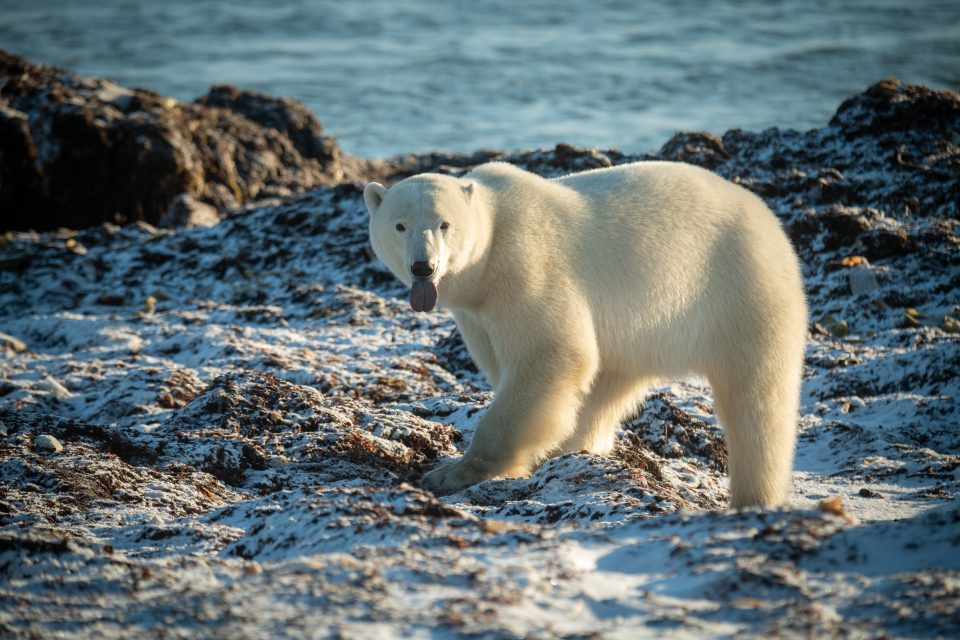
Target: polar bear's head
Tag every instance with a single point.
(423, 228)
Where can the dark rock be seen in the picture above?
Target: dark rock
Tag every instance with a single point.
(18, 164)
(844, 226)
(698, 147)
(283, 115)
(890, 106)
(77, 152)
(566, 155)
(112, 299)
(850, 227)
(832, 187)
(804, 229)
(881, 243)
(562, 159)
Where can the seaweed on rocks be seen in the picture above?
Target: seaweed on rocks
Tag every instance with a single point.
(219, 430)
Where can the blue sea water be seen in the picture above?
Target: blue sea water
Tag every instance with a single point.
(388, 77)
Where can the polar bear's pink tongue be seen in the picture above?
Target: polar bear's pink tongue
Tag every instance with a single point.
(423, 295)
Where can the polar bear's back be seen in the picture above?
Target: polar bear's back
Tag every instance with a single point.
(672, 218)
(660, 250)
(623, 201)
(648, 192)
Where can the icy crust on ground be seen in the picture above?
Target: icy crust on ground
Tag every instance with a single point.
(219, 432)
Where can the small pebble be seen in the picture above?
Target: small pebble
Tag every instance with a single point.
(54, 386)
(950, 325)
(46, 442)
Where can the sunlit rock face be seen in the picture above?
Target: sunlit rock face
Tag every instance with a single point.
(80, 151)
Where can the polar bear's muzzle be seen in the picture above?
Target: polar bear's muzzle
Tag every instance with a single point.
(422, 269)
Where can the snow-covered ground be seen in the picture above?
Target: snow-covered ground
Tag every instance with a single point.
(245, 412)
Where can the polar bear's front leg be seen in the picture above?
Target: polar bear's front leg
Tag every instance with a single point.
(535, 409)
(479, 346)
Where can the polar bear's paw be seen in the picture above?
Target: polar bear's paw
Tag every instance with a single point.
(454, 476)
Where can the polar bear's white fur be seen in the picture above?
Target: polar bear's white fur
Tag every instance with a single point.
(573, 295)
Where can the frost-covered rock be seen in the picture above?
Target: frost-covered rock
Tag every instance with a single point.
(10, 343)
(187, 211)
(46, 442)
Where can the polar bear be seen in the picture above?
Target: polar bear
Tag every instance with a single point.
(573, 295)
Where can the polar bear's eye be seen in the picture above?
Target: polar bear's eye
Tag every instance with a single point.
(400, 227)
(444, 226)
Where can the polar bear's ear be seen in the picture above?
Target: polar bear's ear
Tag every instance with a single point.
(468, 191)
(373, 195)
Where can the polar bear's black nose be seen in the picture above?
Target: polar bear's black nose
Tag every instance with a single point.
(422, 269)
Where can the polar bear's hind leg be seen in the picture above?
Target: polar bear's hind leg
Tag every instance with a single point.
(758, 413)
(612, 398)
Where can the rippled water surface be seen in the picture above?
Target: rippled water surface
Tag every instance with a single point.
(393, 77)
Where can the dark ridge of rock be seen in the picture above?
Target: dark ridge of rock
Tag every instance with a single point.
(565, 158)
(892, 106)
(81, 151)
(562, 159)
(391, 170)
(280, 114)
(881, 180)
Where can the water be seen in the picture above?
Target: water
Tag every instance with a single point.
(388, 77)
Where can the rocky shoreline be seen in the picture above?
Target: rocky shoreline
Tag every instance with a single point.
(218, 431)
